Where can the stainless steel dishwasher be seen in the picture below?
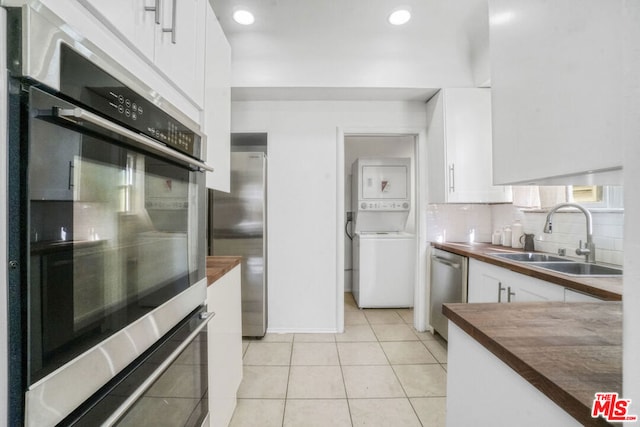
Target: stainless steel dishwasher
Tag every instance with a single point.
(448, 284)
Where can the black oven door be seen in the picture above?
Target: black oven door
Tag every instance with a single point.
(116, 236)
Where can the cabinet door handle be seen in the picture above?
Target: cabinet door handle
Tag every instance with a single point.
(510, 294)
(500, 290)
(172, 30)
(155, 9)
(452, 178)
(70, 174)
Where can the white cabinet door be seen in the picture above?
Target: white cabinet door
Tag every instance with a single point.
(217, 104)
(574, 296)
(556, 80)
(459, 148)
(523, 288)
(130, 19)
(490, 283)
(485, 282)
(224, 346)
(179, 44)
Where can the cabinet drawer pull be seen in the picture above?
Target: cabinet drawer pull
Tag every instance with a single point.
(510, 294)
(500, 290)
(155, 9)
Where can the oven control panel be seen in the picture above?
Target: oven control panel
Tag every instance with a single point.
(91, 86)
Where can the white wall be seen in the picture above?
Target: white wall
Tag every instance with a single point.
(302, 181)
(631, 124)
(375, 146)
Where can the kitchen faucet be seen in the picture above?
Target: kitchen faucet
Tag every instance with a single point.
(589, 249)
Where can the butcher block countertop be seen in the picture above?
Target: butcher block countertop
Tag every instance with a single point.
(606, 288)
(218, 266)
(568, 351)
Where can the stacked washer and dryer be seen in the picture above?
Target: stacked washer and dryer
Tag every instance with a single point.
(384, 254)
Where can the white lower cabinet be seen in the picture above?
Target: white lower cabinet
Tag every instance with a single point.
(224, 347)
(574, 296)
(490, 283)
(491, 393)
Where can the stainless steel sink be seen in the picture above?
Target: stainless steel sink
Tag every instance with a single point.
(529, 257)
(579, 269)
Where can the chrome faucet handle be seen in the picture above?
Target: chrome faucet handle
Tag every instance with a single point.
(583, 250)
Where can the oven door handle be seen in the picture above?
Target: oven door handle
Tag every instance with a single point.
(204, 317)
(76, 115)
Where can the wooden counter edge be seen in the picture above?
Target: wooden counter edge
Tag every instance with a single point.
(548, 276)
(218, 266)
(546, 386)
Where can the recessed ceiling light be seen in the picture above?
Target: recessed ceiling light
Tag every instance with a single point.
(243, 17)
(399, 17)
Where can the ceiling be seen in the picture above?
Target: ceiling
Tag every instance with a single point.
(329, 49)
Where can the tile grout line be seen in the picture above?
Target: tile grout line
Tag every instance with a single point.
(344, 384)
(286, 392)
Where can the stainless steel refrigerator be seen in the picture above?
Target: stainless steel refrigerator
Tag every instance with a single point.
(237, 226)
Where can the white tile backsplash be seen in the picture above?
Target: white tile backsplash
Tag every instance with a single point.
(453, 223)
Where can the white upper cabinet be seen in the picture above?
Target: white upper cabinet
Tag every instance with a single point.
(556, 77)
(180, 44)
(168, 33)
(459, 148)
(217, 104)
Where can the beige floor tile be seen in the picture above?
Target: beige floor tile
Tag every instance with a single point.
(425, 336)
(438, 348)
(268, 353)
(315, 338)
(383, 316)
(398, 332)
(432, 411)
(355, 318)
(350, 302)
(383, 413)
(245, 346)
(361, 353)
(316, 382)
(276, 338)
(356, 333)
(264, 382)
(315, 353)
(422, 380)
(269, 411)
(406, 314)
(444, 366)
(317, 413)
(407, 352)
(371, 382)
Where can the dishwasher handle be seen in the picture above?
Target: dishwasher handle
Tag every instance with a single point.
(445, 261)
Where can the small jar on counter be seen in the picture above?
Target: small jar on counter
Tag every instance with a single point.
(506, 236)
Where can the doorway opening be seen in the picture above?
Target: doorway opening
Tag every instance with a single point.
(376, 146)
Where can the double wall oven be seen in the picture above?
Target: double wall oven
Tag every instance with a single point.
(106, 238)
